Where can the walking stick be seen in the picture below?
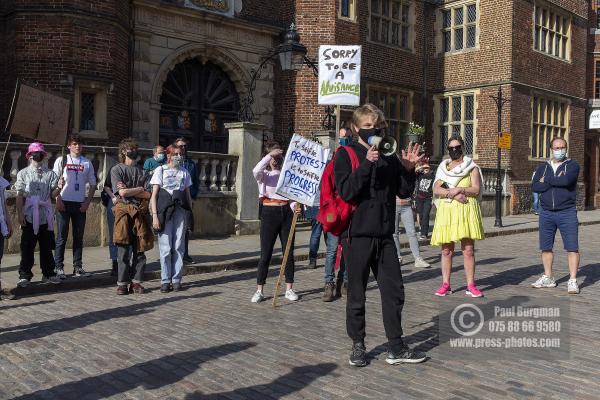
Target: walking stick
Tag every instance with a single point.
(286, 254)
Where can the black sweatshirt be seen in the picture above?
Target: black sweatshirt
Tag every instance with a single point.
(373, 187)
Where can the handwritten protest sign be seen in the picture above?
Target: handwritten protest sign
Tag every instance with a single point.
(339, 75)
(302, 170)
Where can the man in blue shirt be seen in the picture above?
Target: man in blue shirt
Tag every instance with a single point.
(158, 158)
(556, 182)
(190, 165)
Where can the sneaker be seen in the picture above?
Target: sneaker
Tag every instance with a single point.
(165, 288)
(79, 271)
(358, 357)
(60, 272)
(572, 286)
(23, 283)
(473, 291)
(258, 297)
(188, 260)
(176, 287)
(422, 237)
(312, 263)
(291, 295)
(544, 282)
(420, 263)
(444, 290)
(138, 288)
(328, 294)
(407, 356)
(55, 280)
(122, 290)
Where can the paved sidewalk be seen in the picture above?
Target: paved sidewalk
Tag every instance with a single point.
(219, 254)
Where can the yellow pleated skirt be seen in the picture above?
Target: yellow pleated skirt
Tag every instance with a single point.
(455, 221)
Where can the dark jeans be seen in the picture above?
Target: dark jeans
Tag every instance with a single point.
(275, 221)
(315, 238)
(125, 275)
(362, 255)
(28, 242)
(563, 220)
(77, 219)
(424, 208)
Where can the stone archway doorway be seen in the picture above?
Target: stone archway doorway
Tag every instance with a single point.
(197, 100)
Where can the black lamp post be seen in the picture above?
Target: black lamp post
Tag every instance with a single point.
(292, 57)
(500, 102)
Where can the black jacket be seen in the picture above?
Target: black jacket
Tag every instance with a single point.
(166, 204)
(373, 188)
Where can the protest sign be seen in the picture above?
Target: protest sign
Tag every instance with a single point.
(339, 75)
(302, 170)
(39, 115)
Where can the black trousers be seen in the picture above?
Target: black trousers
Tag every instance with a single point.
(275, 221)
(362, 255)
(424, 208)
(28, 241)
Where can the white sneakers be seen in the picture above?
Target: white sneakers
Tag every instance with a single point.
(549, 282)
(420, 263)
(259, 296)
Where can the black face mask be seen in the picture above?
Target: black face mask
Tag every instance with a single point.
(455, 154)
(37, 156)
(365, 134)
(132, 154)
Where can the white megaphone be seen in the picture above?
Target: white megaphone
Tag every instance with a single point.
(386, 145)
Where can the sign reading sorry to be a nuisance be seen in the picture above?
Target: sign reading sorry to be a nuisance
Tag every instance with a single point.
(339, 75)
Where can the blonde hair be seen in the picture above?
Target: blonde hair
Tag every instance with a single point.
(368, 109)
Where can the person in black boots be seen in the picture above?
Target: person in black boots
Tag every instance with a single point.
(368, 243)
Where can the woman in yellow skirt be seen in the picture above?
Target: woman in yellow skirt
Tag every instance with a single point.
(458, 217)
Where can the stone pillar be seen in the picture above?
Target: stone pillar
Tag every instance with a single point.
(246, 141)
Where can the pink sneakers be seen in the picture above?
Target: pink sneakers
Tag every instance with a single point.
(473, 291)
(444, 290)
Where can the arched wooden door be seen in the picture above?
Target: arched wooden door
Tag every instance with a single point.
(197, 99)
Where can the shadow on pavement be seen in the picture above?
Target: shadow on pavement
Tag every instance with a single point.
(35, 303)
(37, 330)
(280, 387)
(149, 375)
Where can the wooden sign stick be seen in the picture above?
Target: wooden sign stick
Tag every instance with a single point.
(286, 255)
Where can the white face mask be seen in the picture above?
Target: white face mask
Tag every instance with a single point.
(177, 160)
(560, 154)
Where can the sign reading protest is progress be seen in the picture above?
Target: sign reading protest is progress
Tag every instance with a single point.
(339, 75)
(302, 170)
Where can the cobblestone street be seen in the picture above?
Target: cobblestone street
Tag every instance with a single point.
(210, 342)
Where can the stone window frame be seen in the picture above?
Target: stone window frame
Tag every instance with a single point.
(100, 91)
(352, 10)
(541, 127)
(539, 26)
(396, 119)
(440, 29)
(409, 24)
(439, 152)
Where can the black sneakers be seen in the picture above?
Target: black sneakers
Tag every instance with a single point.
(312, 263)
(407, 356)
(358, 357)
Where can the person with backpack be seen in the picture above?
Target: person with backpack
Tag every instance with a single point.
(171, 202)
(275, 220)
(370, 182)
(424, 198)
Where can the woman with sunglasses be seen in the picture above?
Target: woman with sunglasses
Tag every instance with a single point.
(457, 185)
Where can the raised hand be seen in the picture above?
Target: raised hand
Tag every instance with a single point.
(410, 157)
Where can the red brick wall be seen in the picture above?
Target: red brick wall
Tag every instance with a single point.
(88, 40)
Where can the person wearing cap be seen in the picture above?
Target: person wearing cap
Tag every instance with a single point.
(423, 197)
(72, 203)
(36, 185)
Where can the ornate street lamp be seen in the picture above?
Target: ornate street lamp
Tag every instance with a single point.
(292, 57)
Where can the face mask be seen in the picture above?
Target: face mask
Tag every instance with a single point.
(345, 141)
(160, 157)
(559, 155)
(176, 160)
(366, 134)
(132, 154)
(455, 154)
(37, 156)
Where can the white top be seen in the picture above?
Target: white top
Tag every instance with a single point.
(78, 172)
(171, 179)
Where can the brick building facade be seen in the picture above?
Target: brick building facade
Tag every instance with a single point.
(170, 68)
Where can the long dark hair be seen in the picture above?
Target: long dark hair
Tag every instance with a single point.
(274, 145)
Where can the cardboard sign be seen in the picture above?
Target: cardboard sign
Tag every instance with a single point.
(339, 75)
(40, 116)
(504, 141)
(302, 170)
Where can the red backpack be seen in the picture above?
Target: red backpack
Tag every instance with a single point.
(334, 213)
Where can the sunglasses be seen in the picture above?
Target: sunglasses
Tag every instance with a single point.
(455, 147)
